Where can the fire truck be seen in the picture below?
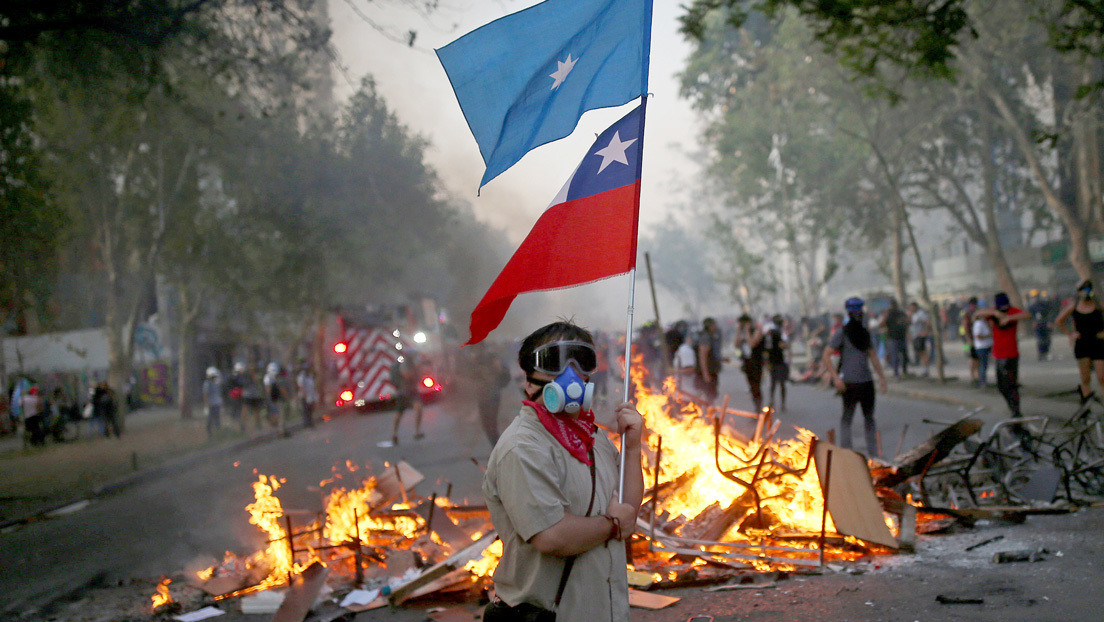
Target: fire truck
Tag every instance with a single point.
(366, 345)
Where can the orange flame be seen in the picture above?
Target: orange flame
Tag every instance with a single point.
(162, 596)
(790, 501)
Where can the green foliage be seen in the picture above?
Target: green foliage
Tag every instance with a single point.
(782, 152)
(919, 34)
(30, 223)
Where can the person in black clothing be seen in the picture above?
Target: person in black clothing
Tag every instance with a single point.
(1041, 316)
(105, 408)
(749, 343)
(854, 378)
(775, 344)
(896, 324)
(1087, 337)
(709, 359)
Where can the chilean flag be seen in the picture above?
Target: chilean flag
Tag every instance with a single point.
(588, 233)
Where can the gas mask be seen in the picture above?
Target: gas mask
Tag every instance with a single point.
(568, 393)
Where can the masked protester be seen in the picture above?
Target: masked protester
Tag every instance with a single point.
(1087, 337)
(551, 487)
(1004, 320)
(853, 378)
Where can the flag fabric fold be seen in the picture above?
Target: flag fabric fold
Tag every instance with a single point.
(588, 233)
(525, 79)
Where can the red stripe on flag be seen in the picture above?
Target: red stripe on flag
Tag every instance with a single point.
(572, 243)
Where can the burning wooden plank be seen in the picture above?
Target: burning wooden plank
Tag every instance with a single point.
(473, 552)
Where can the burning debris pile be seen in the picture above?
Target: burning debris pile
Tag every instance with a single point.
(727, 496)
(722, 503)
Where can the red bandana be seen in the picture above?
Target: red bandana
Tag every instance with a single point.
(576, 435)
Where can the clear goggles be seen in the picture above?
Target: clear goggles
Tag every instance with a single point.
(552, 358)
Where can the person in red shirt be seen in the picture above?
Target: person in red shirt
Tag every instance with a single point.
(1005, 320)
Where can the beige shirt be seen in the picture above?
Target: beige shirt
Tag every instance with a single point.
(531, 482)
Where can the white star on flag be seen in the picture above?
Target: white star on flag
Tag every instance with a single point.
(563, 67)
(614, 151)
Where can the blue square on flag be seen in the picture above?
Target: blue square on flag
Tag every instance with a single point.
(525, 79)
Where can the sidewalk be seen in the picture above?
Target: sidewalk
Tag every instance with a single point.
(1047, 388)
(42, 479)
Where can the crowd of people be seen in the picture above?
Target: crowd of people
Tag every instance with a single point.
(894, 338)
(41, 412)
(253, 400)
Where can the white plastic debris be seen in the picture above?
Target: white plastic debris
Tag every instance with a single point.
(267, 601)
(202, 614)
(359, 597)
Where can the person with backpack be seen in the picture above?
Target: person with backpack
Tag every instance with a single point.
(852, 377)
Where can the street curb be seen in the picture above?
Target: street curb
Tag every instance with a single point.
(138, 477)
(931, 397)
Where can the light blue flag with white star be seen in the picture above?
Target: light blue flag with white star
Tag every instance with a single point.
(525, 79)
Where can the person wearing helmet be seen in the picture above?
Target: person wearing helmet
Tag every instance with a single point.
(212, 400)
(852, 378)
(551, 487)
(235, 392)
(277, 394)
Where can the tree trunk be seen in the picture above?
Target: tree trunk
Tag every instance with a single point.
(184, 370)
(925, 297)
(994, 249)
(185, 367)
(1076, 227)
(898, 261)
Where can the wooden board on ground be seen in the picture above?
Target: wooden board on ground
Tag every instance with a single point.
(475, 551)
(301, 595)
(648, 600)
(851, 501)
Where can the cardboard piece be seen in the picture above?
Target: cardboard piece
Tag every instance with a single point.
(851, 501)
(266, 601)
(387, 483)
(465, 613)
(442, 524)
(380, 601)
(302, 594)
(648, 600)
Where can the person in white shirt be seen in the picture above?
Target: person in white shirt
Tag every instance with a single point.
(983, 346)
(684, 365)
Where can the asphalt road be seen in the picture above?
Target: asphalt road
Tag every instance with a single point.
(157, 526)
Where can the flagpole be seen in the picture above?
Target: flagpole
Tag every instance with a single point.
(632, 272)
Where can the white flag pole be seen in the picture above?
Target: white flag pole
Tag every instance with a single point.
(628, 365)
